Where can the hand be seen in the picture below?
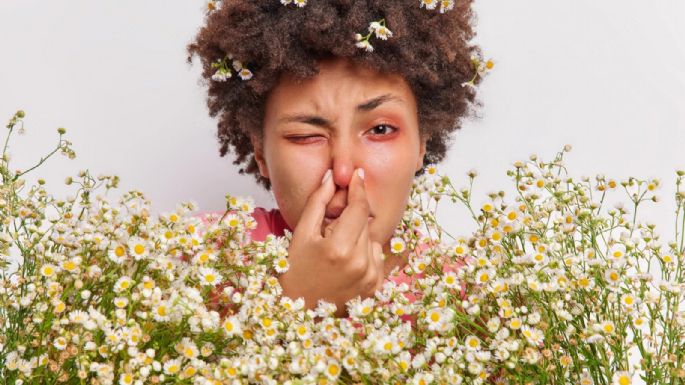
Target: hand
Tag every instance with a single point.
(339, 263)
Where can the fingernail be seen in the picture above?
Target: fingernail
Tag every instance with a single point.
(360, 172)
(326, 176)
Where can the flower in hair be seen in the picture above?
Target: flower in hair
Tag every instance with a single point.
(375, 27)
(224, 72)
(299, 3)
(445, 5)
(481, 67)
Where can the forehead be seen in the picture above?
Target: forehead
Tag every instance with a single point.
(341, 79)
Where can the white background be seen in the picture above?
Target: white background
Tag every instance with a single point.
(607, 77)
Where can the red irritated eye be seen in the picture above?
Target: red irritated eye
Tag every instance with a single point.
(383, 130)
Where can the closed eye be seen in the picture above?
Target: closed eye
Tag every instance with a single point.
(303, 139)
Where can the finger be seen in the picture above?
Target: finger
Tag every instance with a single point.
(315, 209)
(361, 262)
(328, 230)
(355, 215)
(375, 275)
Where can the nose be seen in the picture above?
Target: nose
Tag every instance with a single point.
(345, 158)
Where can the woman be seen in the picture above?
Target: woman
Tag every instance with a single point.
(335, 123)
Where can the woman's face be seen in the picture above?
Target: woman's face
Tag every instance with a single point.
(344, 118)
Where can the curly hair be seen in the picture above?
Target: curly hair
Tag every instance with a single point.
(429, 49)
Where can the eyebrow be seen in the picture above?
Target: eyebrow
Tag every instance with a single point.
(316, 120)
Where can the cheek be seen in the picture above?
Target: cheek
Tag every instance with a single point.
(291, 191)
(392, 175)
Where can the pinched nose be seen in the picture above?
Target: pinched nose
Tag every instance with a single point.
(335, 211)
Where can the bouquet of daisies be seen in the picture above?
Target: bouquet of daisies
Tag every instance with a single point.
(550, 288)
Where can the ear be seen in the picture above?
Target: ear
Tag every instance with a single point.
(258, 146)
(422, 153)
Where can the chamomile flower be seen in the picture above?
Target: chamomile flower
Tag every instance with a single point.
(446, 5)
(123, 283)
(484, 275)
(628, 300)
(612, 276)
(380, 31)
(450, 280)
(472, 343)
(622, 378)
(117, 253)
(362, 308)
(429, 4)
(232, 220)
(187, 348)
(365, 45)
(60, 343)
(48, 270)
(617, 252)
(281, 264)
(161, 312)
(126, 379)
(607, 327)
(71, 265)
(245, 74)
(533, 336)
(208, 276)
(397, 245)
(138, 248)
(232, 326)
(172, 367)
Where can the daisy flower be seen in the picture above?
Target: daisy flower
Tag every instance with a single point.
(122, 284)
(446, 5)
(232, 326)
(160, 312)
(429, 4)
(362, 308)
(485, 275)
(450, 280)
(48, 270)
(138, 248)
(209, 276)
(612, 276)
(622, 378)
(534, 336)
(332, 370)
(607, 327)
(126, 379)
(281, 264)
(472, 343)
(172, 367)
(60, 343)
(365, 45)
(204, 256)
(187, 348)
(397, 245)
(245, 74)
(117, 254)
